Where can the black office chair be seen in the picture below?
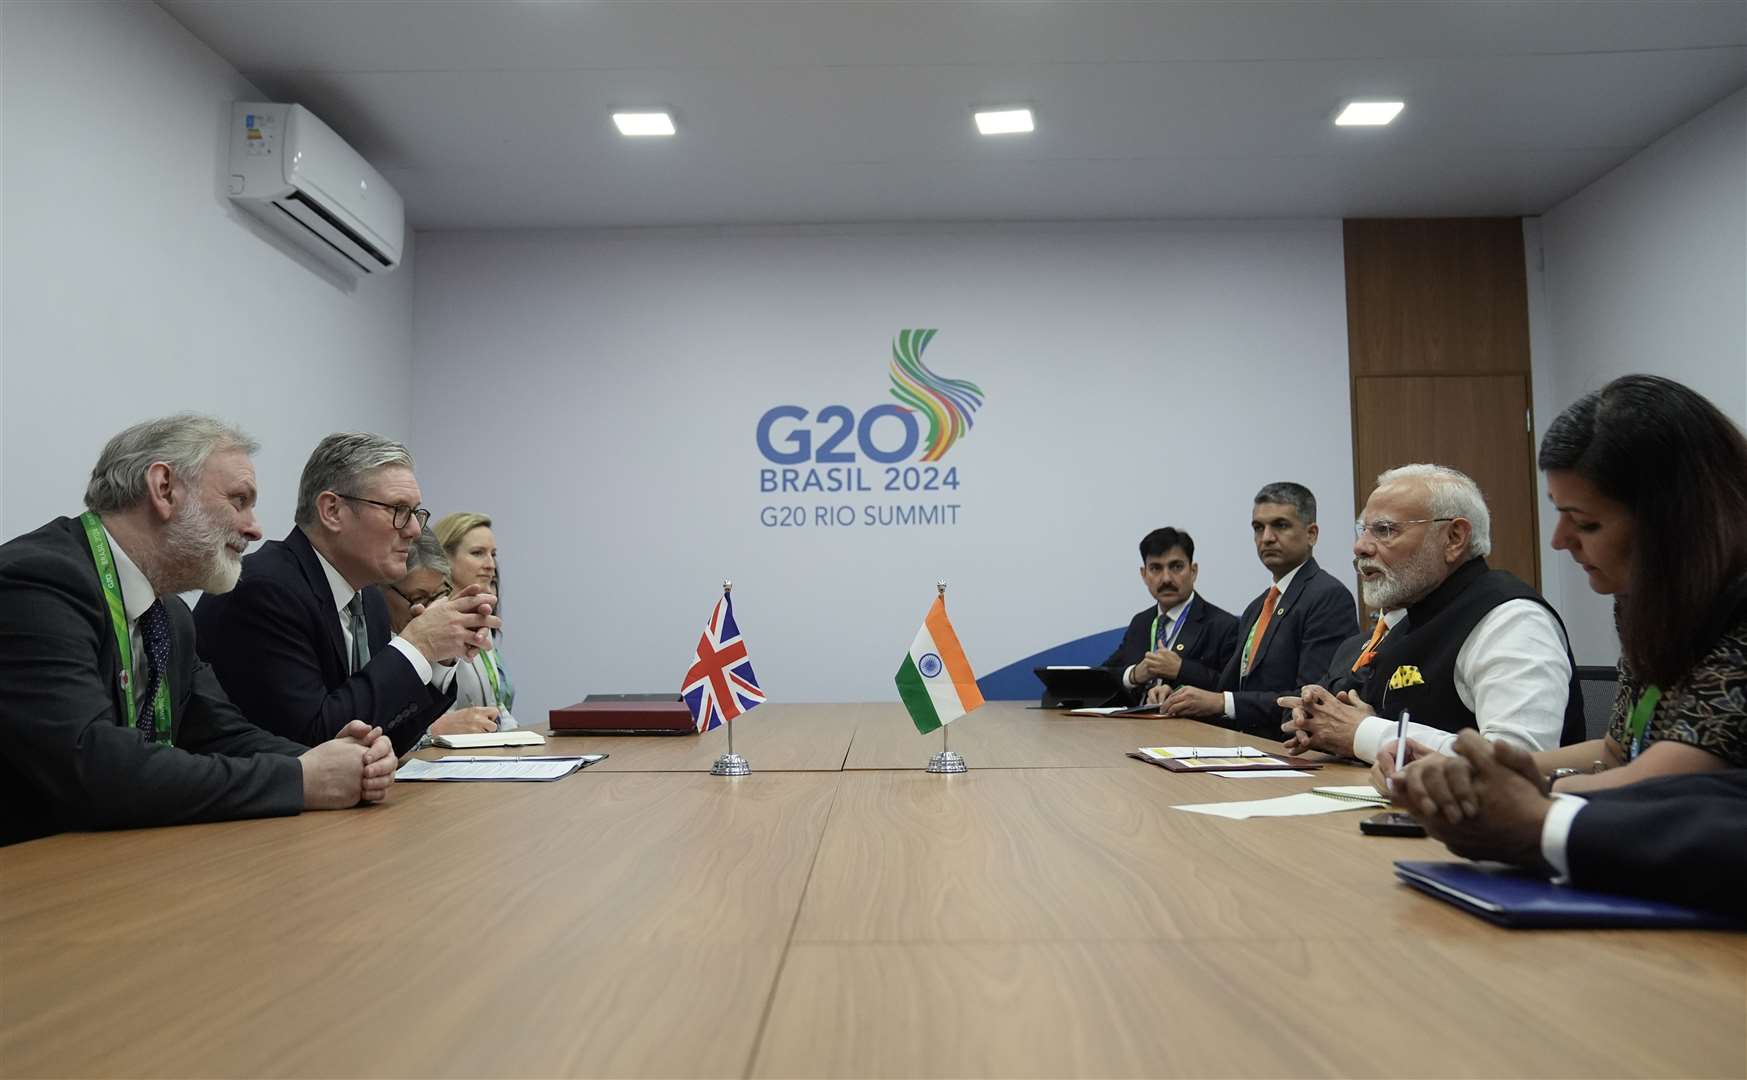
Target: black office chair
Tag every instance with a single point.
(1600, 685)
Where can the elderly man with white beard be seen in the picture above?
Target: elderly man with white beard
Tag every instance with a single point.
(1457, 644)
(110, 718)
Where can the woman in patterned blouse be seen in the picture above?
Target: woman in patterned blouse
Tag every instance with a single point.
(1650, 483)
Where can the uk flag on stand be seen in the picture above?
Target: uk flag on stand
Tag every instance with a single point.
(720, 684)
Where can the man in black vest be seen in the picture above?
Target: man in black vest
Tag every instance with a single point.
(1180, 639)
(1476, 648)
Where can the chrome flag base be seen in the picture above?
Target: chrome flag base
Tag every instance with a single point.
(730, 765)
(947, 761)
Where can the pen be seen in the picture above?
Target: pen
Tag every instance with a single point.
(1400, 743)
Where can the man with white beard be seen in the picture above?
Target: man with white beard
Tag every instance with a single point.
(1458, 644)
(110, 718)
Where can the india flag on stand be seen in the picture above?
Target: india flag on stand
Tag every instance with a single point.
(935, 682)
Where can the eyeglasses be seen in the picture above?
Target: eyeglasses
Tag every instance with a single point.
(427, 601)
(1385, 531)
(401, 514)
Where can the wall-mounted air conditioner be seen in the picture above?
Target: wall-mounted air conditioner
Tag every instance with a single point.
(291, 170)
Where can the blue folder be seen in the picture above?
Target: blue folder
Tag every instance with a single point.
(1522, 899)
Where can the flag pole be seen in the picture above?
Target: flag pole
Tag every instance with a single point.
(946, 761)
(730, 764)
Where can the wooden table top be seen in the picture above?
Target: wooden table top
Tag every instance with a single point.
(1045, 914)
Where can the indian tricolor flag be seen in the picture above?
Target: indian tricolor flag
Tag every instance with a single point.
(936, 683)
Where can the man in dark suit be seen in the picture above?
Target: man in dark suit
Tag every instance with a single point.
(303, 644)
(109, 718)
(1291, 631)
(1676, 838)
(1180, 639)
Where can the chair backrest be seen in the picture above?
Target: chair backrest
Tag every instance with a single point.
(1600, 685)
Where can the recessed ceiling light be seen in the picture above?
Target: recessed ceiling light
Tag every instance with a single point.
(1368, 113)
(639, 124)
(1005, 122)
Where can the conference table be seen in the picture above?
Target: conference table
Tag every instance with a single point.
(839, 912)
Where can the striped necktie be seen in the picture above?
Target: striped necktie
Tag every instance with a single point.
(1260, 628)
(360, 633)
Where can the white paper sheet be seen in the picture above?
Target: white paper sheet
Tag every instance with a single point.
(462, 767)
(1302, 804)
(1262, 774)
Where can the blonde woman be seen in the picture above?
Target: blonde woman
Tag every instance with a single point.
(472, 549)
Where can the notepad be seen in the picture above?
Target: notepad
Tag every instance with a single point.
(459, 767)
(474, 740)
(1364, 793)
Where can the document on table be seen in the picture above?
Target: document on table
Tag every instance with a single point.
(1300, 805)
(1263, 774)
(462, 767)
(1163, 753)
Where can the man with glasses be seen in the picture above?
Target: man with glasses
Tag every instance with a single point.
(303, 643)
(1458, 645)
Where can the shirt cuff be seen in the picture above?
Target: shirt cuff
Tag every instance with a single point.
(1128, 677)
(1556, 831)
(1230, 706)
(1370, 735)
(413, 657)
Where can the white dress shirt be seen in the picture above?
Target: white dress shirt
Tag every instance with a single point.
(1283, 584)
(1169, 618)
(137, 595)
(1512, 673)
(439, 676)
(1556, 833)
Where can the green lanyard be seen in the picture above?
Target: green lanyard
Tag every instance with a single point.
(491, 670)
(105, 561)
(1641, 712)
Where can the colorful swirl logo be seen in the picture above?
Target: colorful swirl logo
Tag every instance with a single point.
(948, 403)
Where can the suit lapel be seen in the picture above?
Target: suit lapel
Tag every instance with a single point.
(1288, 602)
(1189, 638)
(327, 613)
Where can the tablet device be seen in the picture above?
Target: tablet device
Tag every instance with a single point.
(1079, 687)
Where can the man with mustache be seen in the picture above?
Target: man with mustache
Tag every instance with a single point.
(110, 718)
(1459, 644)
(1181, 639)
(303, 642)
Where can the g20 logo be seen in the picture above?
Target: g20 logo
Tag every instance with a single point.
(836, 423)
(947, 404)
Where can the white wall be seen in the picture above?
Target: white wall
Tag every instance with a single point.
(133, 289)
(1644, 270)
(1135, 376)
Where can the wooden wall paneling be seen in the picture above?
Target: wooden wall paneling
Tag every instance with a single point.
(1476, 423)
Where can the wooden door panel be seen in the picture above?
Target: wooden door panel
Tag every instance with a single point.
(1475, 423)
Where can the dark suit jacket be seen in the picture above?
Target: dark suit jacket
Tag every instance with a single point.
(65, 760)
(1206, 642)
(276, 645)
(1679, 838)
(1310, 621)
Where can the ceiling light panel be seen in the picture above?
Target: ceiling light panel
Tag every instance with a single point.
(639, 125)
(1368, 113)
(1005, 122)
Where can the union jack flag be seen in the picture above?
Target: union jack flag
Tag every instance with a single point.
(720, 684)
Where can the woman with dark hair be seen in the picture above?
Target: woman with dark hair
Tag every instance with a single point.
(1650, 483)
